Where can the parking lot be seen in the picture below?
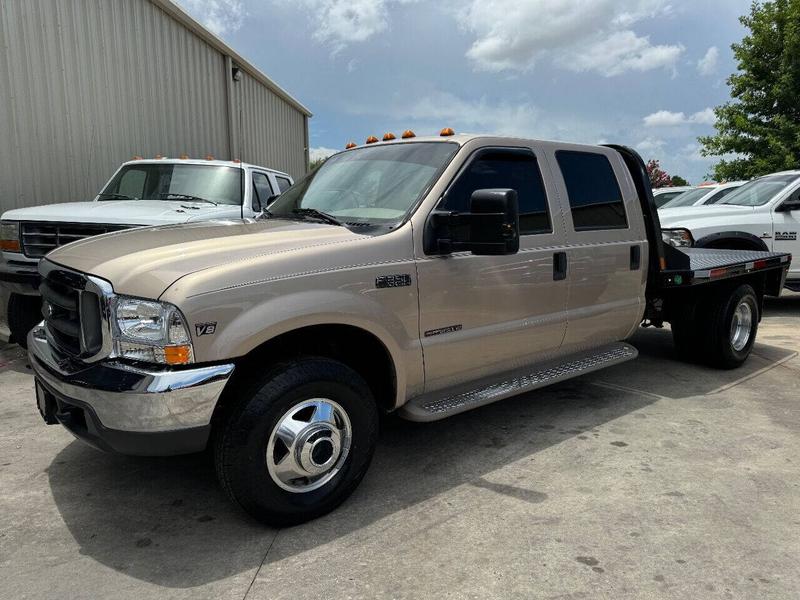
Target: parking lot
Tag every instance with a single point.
(653, 479)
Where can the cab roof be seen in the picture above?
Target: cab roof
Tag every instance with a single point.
(202, 161)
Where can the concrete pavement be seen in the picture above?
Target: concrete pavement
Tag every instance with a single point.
(654, 479)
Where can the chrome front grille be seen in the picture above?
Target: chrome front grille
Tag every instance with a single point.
(39, 238)
(75, 311)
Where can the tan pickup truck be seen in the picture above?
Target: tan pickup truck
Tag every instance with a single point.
(426, 276)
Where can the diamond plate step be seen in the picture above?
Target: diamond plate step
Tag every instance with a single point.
(433, 408)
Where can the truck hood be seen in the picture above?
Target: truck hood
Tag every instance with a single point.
(698, 216)
(145, 262)
(124, 212)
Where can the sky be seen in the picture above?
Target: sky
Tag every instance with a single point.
(644, 73)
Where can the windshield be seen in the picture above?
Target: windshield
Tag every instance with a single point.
(376, 186)
(214, 184)
(688, 198)
(760, 191)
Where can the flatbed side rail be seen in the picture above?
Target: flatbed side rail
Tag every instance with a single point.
(705, 266)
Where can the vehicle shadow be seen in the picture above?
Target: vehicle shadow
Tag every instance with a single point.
(166, 522)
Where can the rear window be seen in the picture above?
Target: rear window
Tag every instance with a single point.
(595, 199)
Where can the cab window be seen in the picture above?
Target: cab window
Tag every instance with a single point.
(517, 170)
(262, 191)
(283, 183)
(595, 199)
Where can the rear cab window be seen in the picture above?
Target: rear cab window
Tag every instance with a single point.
(594, 195)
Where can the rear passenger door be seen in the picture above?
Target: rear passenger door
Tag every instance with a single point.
(483, 315)
(606, 247)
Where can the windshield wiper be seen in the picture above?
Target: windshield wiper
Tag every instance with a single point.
(114, 196)
(318, 214)
(187, 197)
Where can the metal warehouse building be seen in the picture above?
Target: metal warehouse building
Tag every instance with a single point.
(87, 84)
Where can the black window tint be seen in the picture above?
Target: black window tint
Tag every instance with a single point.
(261, 188)
(594, 195)
(498, 169)
(283, 183)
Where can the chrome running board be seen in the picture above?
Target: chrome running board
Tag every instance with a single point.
(443, 404)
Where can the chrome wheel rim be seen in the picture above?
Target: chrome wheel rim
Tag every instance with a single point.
(309, 445)
(741, 325)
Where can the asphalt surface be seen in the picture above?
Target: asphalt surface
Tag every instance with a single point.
(653, 479)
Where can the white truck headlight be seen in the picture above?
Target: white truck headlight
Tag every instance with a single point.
(679, 238)
(9, 236)
(151, 331)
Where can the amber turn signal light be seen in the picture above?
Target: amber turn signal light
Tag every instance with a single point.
(178, 355)
(9, 245)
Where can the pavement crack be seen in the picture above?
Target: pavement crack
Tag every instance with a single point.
(263, 560)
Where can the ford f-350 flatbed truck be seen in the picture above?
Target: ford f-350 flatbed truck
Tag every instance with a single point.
(426, 276)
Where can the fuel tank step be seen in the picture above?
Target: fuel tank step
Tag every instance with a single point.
(443, 404)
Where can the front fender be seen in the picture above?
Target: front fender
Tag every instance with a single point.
(241, 327)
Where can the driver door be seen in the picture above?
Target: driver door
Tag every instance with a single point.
(484, 315)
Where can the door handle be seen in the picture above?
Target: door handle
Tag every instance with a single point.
(636, 258)
(559, 266)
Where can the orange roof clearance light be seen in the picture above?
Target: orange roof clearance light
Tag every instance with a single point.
(447, 131)
(137, 157)
(209, 157)
(408, 134)
(372, 139)
(159, 156)
(237, 161)
(388, 137)
(349, 145)
(184, 156)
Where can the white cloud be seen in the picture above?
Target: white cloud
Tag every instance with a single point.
(580, 35)
(708, 64)
(665, 118)
(651, 146)
(320, 152)
(220, 16)
(339, 23)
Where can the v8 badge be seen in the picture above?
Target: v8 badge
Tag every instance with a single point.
(205, 328)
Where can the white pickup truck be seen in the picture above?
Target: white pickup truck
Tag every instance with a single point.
(763, 214)
(158, 191)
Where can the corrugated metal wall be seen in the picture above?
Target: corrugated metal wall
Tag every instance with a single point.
(87, 84)
(283, 142)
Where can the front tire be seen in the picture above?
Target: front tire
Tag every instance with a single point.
(24, 313)
(298, 441)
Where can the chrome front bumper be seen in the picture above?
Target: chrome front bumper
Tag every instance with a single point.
(121, 405)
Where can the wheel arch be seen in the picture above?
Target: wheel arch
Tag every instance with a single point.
(732, 240)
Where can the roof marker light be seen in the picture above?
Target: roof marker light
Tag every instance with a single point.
(447, 131)
(137, 157)
(237, 160)
(209, 157)
(388, 137)
(350, 145)
(184, 156)
(372, 139)
(408, 134)
(159, 156)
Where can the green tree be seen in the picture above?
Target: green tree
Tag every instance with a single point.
(315, 164)
(678, 181)
(758, 131)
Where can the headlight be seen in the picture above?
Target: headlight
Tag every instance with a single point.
(680, 238)
(9, 236)
(151, 331)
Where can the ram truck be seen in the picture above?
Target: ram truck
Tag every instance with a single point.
(427, 276)
(141, 192)
(763, 214)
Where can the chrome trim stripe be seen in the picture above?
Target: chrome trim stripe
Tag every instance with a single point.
(128, 398)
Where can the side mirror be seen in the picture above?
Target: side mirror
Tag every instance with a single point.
(790, 204)
(490, 228)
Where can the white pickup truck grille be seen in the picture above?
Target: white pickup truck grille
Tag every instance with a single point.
(40, 238)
